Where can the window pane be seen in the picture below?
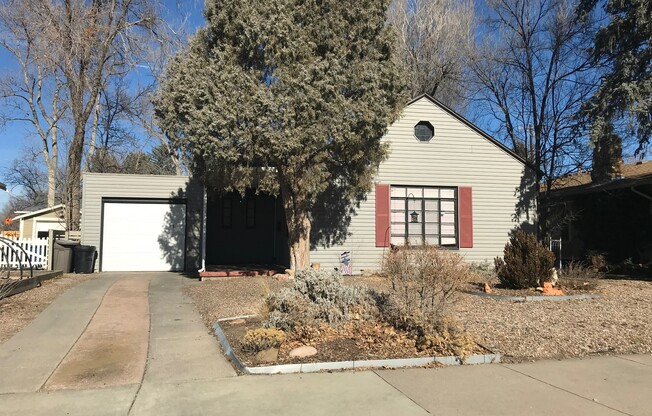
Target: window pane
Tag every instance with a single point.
(398, 216)
(432, 240)
(414, 229)
(448, 229)
(431, 216)
(432, 228)
(432, 205)
(414, 192)
(448, 241)
(397, 191)
(448, 193)
(414, 205)
(416, 241)
(431, 192)
(448, 217)
(398, 204)
(447, 205)
(397, 241)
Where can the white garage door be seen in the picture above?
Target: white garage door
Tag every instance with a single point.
(143, 236)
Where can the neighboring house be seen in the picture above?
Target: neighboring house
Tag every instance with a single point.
(613, 218)
(37, 224)
(445, 181)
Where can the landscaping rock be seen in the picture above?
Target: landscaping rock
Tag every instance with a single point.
(486, 288)
(551, 291)
(290, 273)
(267, 356)
(303, 351)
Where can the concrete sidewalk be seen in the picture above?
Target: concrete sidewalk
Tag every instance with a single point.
(186, 373)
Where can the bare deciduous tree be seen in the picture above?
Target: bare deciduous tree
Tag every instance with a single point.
(84, 44)
(435, 38)
(534, 72)
(34, 94)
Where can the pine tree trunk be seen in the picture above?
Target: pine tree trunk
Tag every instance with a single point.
(298, 222)
(300, 245)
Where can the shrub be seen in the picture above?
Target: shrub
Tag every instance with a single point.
(598, 261)
(577, 270)
(424, 282)
(447, 337)
(256, 340)
(317, 295)
(527, 263)
(485, 271)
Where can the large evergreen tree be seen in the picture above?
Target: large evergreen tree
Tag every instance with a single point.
(289, 97)
(624, 97)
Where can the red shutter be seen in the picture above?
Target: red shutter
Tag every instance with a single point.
(382, 215)
(465, 206)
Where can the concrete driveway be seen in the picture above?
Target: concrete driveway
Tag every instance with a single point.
(133, 344)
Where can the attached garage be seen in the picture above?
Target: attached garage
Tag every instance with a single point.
(143, 235)
(143, 222)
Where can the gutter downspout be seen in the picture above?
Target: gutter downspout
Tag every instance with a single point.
(203, 233)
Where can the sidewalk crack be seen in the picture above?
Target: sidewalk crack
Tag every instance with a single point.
(567, 391)
(149, 344)
(633, 361)
(400, 391)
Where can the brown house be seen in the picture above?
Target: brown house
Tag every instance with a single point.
(613, 217)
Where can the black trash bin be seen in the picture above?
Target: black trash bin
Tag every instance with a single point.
(62, 255)
(84, 259)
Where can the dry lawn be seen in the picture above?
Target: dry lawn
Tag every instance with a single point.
(619, 322)
(17, 311)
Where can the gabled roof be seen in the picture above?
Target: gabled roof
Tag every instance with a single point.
(39, 212)
(473, 127)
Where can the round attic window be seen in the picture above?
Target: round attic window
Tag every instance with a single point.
(424, 131)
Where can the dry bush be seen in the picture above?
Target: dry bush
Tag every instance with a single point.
(577, 270)
(7, 285)
(256, 340)
(598, 261)
(449, 337)
(527, 263)
(425, 280)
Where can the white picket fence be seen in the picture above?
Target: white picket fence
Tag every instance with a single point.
(37, 252)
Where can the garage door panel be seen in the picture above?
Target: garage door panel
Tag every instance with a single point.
(143, 236)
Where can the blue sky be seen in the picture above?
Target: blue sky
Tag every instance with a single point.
(14, 137)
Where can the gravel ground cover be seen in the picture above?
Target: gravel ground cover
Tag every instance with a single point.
(619, 322)
(17, 311)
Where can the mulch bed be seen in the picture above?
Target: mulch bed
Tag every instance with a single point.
(355, 340)
(619, 322)
(568, 286)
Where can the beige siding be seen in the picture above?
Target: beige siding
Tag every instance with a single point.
(456, 156)
(27, 228)
(97, 186)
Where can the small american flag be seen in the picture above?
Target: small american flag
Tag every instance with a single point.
(346, 267)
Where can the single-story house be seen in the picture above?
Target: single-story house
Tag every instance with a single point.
(445, 182)
(613, 218)
(37, 224)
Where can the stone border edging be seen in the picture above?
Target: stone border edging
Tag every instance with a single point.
(531, 298)
(33, 282)
(343, 365)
